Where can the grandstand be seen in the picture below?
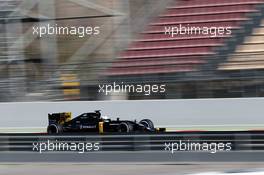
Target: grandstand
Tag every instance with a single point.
(133, 47)
(155, 52)
(189, 63)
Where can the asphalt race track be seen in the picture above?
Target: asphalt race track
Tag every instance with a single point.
(134, 148)
(128, 169)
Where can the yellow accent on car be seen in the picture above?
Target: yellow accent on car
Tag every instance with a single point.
(68, 116)
(101, 127)
(64, 117)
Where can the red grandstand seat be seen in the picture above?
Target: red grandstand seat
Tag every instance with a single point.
(209, 10)
(150, 70)
(176, 44)
(162, 37)
(200, 18)
(159, 61)
(166, 52)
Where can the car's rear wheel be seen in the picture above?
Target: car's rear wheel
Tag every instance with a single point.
(54, 129)
(147, 123)
(125, 127)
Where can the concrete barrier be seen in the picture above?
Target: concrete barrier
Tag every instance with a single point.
(209, 114)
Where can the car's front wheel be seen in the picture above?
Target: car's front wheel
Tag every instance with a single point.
(147, 123)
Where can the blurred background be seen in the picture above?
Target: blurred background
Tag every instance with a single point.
(131, 48)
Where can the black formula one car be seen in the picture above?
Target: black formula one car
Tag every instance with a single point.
(94, 122)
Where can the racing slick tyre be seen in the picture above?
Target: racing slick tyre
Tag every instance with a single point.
(125, 127)
(147, 123)
(54, 129)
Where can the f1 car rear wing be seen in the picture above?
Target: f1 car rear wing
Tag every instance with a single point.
(59, 118)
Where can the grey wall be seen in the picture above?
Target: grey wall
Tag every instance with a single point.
(162, 112)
